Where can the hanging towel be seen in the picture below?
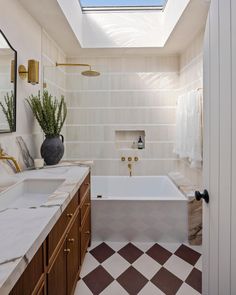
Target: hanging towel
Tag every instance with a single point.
(188, 143)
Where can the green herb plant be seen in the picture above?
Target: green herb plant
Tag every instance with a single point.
(49, 112)
(8, 108)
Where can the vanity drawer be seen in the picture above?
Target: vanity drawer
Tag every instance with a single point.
(59, 228)
(86, 203)
(85, 235)
(84, 186)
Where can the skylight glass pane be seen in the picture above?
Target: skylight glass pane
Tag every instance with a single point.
(122, 3)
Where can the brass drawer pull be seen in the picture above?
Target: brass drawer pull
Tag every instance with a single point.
(87, 232)
(69, 215)
(67, 250)
(71, 240)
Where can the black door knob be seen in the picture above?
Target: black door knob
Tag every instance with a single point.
(204, 196)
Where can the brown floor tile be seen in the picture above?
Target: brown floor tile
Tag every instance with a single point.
(132, 281)
(158, 253)
(98, 280)
(188, 254)
(130, 252)
(195, 280)
(102, 252)
(166, 282)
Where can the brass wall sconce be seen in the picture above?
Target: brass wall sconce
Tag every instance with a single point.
(32, 73)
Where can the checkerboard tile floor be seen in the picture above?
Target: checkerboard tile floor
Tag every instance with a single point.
(141, 268)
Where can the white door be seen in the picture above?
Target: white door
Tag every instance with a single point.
(219, 236)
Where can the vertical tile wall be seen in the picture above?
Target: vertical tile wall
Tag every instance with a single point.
(191, 77)
(132, 93)
(53, 77)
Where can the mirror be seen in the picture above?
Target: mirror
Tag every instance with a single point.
(8, 76)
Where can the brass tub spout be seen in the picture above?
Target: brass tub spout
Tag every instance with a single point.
(130, 169)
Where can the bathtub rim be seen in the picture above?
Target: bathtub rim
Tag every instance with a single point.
(143, 198)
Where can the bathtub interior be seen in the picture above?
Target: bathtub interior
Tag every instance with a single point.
(138, 187)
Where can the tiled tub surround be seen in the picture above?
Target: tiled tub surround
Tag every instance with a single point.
(23, 230)
(194, 207)
(138, 208)
(132, 93)
(141, 268)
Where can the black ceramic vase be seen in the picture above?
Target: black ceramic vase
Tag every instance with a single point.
(52, 149)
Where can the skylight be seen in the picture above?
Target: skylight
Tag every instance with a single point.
(116, 5)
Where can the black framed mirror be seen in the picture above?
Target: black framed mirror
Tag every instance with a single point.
(8, 84)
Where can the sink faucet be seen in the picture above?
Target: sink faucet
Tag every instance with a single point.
(4, 156)
(130, 169)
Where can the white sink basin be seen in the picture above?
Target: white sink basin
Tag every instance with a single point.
(29, 193)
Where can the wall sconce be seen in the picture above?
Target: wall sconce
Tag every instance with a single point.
(32, 73)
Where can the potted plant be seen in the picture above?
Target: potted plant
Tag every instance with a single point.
(51, 115)
(8, 108)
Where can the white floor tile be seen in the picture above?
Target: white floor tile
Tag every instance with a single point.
(198, 265)
(172, 247)
(178, 267)
(116, 246)
(89, 264)
(115, 265)
(114, 289)
(143, 246)
(147, 266)
(185, 289)
(82, 289)
(150, 289)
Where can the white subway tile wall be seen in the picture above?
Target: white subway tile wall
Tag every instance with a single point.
(132, 93)
(191, 77)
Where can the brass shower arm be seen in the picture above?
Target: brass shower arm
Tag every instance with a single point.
(72, 65)
(88, 73)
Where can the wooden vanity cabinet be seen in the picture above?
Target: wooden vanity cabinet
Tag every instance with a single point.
(55, 268)
(56, 273)
(33, 278)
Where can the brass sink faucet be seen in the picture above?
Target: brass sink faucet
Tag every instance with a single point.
(4, 156)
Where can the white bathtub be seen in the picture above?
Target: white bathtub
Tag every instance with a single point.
(140, 208)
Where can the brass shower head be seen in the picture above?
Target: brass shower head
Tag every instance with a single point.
(88, 73)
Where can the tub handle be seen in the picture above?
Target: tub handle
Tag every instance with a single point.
(204, 196)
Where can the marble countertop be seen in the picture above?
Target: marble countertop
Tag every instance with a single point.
(23, 230)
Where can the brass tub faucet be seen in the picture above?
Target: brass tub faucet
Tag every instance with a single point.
(4, 156)
(130, 169)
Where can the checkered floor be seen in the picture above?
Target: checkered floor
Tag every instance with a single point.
(141, 268)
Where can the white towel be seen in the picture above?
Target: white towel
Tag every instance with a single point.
(188, 143)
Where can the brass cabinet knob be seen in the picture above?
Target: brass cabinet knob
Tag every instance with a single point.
(136, 159)
(72, 240)
(123, 159)
(130, 159)
(67, 250)
(87, 232)
(69, 215)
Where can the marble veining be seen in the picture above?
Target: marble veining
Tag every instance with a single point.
(194, 208)
(23, 230)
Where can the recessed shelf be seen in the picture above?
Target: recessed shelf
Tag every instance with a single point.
(128, 139)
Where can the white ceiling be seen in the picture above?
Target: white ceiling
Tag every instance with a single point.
(52, 19)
